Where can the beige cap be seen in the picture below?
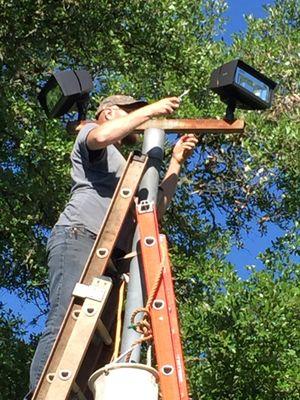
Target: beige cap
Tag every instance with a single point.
(119, 100)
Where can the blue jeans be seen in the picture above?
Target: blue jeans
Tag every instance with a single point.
(68, 249)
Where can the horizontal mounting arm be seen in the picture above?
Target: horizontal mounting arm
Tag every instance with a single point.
(194, 125)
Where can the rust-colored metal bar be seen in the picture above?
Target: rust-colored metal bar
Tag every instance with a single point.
(194, 125)
(97, 262)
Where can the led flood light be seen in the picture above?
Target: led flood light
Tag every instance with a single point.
(242, 86)
(64, 91)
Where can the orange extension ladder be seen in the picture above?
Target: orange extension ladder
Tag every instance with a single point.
(162, 310)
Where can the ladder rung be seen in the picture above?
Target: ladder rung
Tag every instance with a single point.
(76, 389)
(101, 328)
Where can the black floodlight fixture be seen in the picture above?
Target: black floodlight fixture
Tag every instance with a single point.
(241, 86)
(65, 91)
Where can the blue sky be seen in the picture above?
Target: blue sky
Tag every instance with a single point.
(236, 11)
(254, 243)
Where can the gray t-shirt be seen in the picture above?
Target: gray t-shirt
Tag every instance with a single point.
(95, 175)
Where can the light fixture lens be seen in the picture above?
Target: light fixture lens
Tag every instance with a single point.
(53, 97)
(252, 84)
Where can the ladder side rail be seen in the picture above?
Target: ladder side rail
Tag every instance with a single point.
(87, 321)
(173, 317)
(95, 266)
(115, 217)
(160, 321)
(98, 353)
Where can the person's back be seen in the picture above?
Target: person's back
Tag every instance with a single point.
(95, 175)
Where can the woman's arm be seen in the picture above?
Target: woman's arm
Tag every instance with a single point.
(183, 149)
(113, 130)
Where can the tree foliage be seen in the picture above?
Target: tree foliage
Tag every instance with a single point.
(15, 355)
(241, 334)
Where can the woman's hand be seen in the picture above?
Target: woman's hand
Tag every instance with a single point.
(184, 148)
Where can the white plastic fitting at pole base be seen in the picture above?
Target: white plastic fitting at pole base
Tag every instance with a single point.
(124, 381)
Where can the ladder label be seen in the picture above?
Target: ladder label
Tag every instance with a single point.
(88, 292)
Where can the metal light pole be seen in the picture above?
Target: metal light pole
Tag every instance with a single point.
(153, 145)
